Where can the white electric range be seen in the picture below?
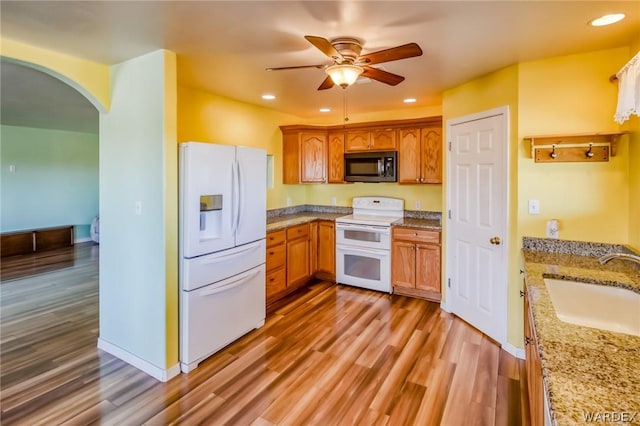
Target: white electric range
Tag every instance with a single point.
(363, 242)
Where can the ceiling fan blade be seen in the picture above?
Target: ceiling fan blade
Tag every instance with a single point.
(294, 67)
(326, 84)
(382, 76)
(408, 50)
(324, 46)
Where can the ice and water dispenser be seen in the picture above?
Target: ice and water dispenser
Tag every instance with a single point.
(210, 216)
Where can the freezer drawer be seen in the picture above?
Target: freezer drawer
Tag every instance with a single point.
(204, 270)
(216, 315)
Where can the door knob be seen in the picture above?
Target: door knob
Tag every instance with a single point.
(495, 240)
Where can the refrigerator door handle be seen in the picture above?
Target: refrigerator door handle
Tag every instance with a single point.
(234, 197)
(229, 286)
(240, 195)
(229, 256)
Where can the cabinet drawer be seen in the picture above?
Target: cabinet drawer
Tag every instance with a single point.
(298, 231)
(276, 257)
(276, 282)
(417, 235)
(276, 237)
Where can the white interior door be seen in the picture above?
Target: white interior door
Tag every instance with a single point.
(477, 194)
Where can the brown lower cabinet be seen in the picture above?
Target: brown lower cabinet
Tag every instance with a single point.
(297, 254)
(415, 263)
(535, 386)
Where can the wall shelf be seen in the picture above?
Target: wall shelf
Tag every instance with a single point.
(591, 147)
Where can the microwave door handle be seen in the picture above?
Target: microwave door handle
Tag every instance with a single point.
(381, 167)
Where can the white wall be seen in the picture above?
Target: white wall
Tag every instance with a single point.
(134, 153)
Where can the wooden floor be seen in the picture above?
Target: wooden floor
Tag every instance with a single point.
(335, 355)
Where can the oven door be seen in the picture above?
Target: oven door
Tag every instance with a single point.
(362, 267)
(368, 236)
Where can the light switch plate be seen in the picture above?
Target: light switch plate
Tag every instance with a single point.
(534, 206)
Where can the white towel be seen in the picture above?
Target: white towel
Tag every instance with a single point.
(628, 90)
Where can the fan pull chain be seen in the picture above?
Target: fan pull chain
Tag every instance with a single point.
(345, 105)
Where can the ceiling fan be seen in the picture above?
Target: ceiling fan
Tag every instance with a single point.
(348, 64)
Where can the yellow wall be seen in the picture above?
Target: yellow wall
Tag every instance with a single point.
(569, 94)
(491, 91)
(89, 78)
(207, 117)
(633, 125)
(572, 94)
(171, 208)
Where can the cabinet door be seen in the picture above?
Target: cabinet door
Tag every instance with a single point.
(533, 368)
(431, 153)
(403, 264)
(326, 248)
(313, 153)
(428, 267)
(358, 141)
(297, 261)
(409, 156)
(313, 248)
(336, 158)
(383, 140)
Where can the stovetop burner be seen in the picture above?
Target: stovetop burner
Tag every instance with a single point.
(376, 211)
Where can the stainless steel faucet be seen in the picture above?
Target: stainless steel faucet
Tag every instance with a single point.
(607, 257)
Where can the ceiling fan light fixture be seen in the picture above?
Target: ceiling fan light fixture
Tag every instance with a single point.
(344, 75)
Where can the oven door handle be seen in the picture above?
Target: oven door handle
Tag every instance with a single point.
(379, 229)
(362, 250)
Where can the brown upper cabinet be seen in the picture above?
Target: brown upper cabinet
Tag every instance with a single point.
(305, 156)
(371, 140)
(336, 157)
(420, 155)
(315, 154)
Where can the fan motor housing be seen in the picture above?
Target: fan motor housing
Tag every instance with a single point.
(348, 47)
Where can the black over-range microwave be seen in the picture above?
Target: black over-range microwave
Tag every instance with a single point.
(370, 166)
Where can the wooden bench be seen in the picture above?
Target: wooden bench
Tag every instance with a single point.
(25, 242)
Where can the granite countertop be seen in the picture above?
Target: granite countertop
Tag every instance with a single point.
(585, 370)
(283, 221)
(428, 224)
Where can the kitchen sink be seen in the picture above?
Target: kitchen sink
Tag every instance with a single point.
(597, 306)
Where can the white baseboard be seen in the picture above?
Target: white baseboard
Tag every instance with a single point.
(81, 240)
(444, 307)
(517, 352)
(154, 371)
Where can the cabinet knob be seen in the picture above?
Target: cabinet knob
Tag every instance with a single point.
(495, 241)
(270, 253)
(417, 179)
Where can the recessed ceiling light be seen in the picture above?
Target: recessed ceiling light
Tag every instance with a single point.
(268, 97)
(607, 20)
(409, 100)
(325, 110)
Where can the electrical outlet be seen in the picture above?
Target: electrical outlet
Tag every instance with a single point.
(288, 201)
(333, 201)
(138, 208)
(418, 205)
(534, 206)
(12, 168)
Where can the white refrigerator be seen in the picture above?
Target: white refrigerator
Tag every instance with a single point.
(222, 230)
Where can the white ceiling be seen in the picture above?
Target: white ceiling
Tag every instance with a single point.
(224, 46)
